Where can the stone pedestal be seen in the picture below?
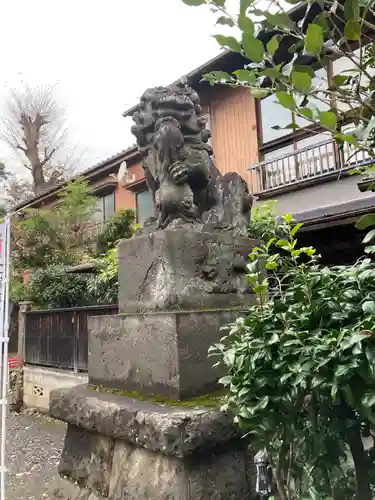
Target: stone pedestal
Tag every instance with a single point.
(183, 269)
(177, 288)
(163, 353)
(118, 448)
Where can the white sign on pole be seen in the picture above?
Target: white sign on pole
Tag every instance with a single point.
(4, 332)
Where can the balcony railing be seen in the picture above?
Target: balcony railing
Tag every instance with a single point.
(304, 165)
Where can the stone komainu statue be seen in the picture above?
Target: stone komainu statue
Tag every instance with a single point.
(186, 186)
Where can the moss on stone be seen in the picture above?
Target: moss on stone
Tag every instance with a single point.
(211, 400)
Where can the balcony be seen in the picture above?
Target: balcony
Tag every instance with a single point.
(309, 165)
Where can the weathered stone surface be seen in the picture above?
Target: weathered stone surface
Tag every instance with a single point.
(87, 459)
(157, 353)
(67, 490)
(71, 491)
(183, 269)
(139, 474)
(173, 431)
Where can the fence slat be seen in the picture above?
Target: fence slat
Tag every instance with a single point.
(58, 338)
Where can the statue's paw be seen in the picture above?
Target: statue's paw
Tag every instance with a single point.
(179, 173)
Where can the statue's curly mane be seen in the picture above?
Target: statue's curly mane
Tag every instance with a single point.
(178, 101)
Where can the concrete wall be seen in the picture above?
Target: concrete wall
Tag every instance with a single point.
(327, 193)
(39, 381)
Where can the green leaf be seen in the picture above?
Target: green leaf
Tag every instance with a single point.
(245, 390)
(259, 289)
(307, 113)
(221, 75)
(225, 21)
(351, 10)
(246, 24)
(304, 69)
(194, 2)
(272, 73)
(357, 337)
(263, 403)
(259, 93)
(228, 41)
(339, 80)
(366, 221)
(244, 5)
(273, 45)
(301, 81)
(352, 30)
(225, 380)
(342, 370)
(370, 127)
(283, 243)
(328, 120)
(369, 236)
(245, 75)
(281, 19)
(253, 47)
(274, 339)
(229, 357)
(368, 307)
(296, 228)
(314, 39)
(271, 265)
(349, 138)
(286, 100)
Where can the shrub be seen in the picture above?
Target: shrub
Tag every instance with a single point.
(53, 287)
(120, 226)
(54, 236)
(104, 285)
(300, 372)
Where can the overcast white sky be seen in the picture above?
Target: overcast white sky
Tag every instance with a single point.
(104, 55)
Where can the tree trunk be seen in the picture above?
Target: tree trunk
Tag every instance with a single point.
(39, 181)
(31, 137)
(353, 437)
(354, 440)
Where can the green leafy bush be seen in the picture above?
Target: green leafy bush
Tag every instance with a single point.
(104, 285)
(53, 287)
(120, 226)
(301, 376)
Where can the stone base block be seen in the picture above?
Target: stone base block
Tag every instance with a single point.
(118, 448)
(183, 269)
(140, 474)
(87, 459)
(163, 353)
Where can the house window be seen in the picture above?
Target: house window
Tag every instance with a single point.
(144, 205)
(273, 115)
(105, 207)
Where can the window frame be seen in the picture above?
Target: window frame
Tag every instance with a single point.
(138, 192)
(295, 135)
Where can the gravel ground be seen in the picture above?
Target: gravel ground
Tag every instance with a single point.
(34, 445)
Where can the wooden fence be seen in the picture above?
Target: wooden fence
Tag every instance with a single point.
(58, 338)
